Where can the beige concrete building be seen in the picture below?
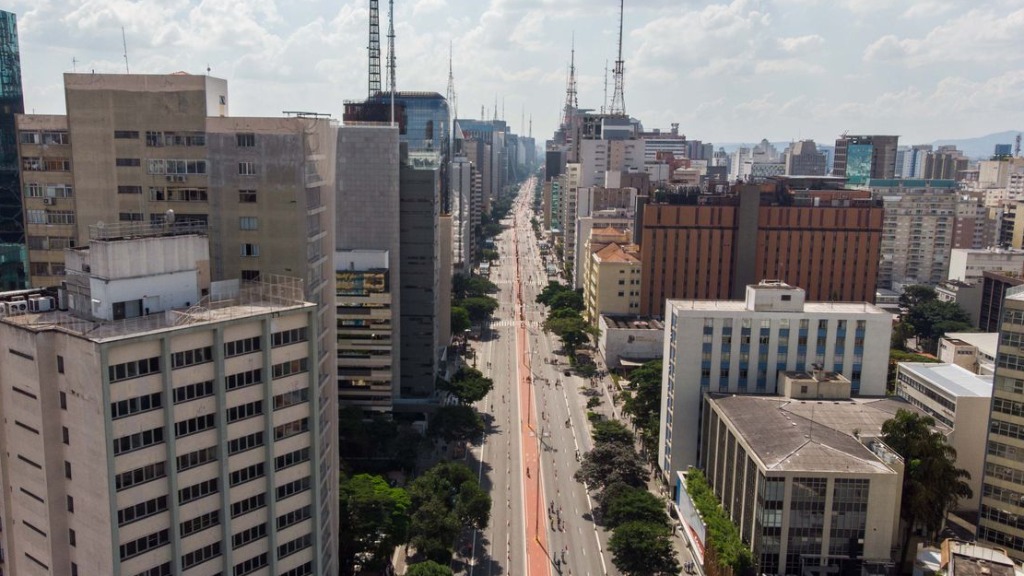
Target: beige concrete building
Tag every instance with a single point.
(598, 238)
(150, 430)
(1002, 496)
(613, 282)
(959, 399)
(153, 144)
(809, 484)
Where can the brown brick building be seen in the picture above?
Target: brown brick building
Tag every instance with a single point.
(711, 247)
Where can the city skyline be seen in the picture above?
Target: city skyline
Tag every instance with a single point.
(726, 71)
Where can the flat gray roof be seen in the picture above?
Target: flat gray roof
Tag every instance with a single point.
(986, 342)
(955, 380)
(633, 322)
(809, 307)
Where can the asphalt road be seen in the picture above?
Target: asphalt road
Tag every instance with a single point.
(574, 545)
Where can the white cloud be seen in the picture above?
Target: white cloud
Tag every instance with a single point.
(787, 66)
(794, 44)
(978, 35)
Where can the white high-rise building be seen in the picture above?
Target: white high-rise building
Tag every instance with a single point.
(162, 424)
(740, 347)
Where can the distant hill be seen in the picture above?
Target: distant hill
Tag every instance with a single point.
(982, 146)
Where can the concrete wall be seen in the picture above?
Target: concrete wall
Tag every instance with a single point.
(618, 343)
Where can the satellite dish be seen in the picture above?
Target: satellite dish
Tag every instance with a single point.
(169, 216)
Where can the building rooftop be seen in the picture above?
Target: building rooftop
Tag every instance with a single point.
(250, 298)
(633, 322)
(729, 306)
(972, 559)
(809, 435)
(987, 343)
(955, 380)
(607, 231)
(615, 253)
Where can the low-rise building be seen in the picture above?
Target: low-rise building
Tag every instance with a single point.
(959, 399)
(613, 282)
(968, 265)
(974, 351)
(629, 341)
(807, 482)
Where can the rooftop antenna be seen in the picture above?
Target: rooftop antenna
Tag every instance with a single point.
(618, 107)
(207, 68)
(1016, 151)
(451, 98)
(124, 44)
(495, 107)
(483, 115)
(530, 134)
(74, 64)
(374, 49)
(391, 56)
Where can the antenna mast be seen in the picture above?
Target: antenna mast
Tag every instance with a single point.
(618, 107)
(571, 102)
(391, 56)
(604, 103)
(374, 49)
(124, 44)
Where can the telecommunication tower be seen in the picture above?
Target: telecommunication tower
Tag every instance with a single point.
(374, 49)
(571, 102)
(618, 106)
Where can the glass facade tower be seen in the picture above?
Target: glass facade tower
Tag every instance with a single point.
(12, 229)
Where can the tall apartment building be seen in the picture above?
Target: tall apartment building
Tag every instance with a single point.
(917, 235)
(12, 225)
(945, 163)
(461, 196)
(974, 228)
(824, 240)
(1003, 481)
(618, 217)
(994, 286)
(150, 144)
(741, 346)
(858, 158)
(152, 430)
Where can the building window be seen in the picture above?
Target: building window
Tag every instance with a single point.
(127, 162)
(250, 249)
(245, 140)
(248, 505)
(251, 275)
(145, 544)
(129, 189)
(126, 134)
(248, 223)
(243, 346)
(246, 168)
(247, 196)
(196, 458)
(192, 357)
(292, 336)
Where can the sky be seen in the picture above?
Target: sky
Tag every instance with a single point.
(726, 71)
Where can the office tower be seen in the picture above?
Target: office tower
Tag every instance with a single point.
(742, 346)
(859, 158)
(150, 429)
(1003, 480)
(149, 144)
(798, 230)
(803, 159)
(947, 163)
(460, 178)
(12, 227)
(367, 263)
(419, 270)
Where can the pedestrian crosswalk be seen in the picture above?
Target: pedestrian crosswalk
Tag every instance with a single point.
(512, 323)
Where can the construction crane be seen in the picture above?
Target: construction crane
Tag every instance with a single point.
(618, 107)
(374, 49)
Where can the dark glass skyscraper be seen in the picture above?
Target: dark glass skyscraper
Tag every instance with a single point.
(12, 229)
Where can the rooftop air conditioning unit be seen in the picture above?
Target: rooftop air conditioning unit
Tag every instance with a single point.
(40, 304)
(49, 201)
(17, 307)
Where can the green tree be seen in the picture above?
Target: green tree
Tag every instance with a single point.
(428, 568)
(455, 423)
(932, 484)
(460, 320)
(612, 431)
(931, 319)
(916, 295)
(644, 404)
(723, 538)
(609, 463)
(444, 500)
(900, 333)
(643, 549)
(480, 308)
(466, 286)
(469, 385)
(633, 505)
(375, 517)
(897, 356)
(568, 299)
(550, 291)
